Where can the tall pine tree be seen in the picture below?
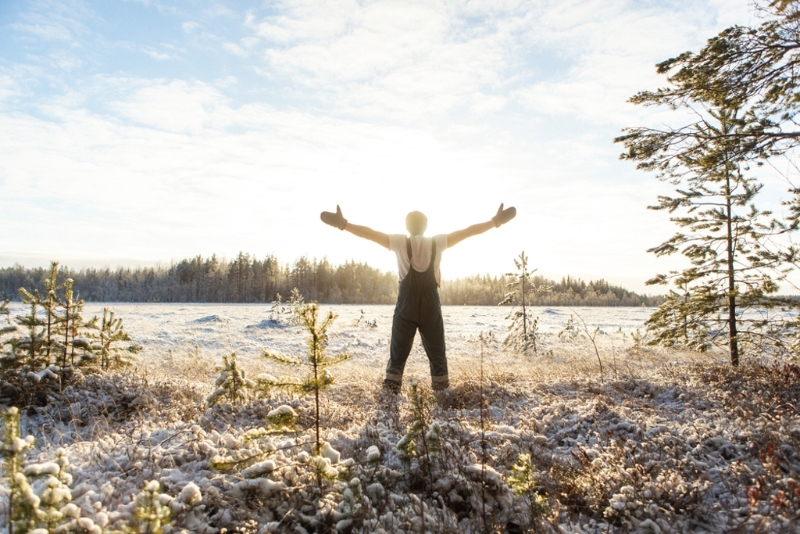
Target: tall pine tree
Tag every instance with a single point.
(729, 291)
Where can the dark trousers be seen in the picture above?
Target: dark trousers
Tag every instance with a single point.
(418, 308)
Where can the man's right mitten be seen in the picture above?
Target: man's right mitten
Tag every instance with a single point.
(334, 219)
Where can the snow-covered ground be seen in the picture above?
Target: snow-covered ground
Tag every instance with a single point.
(206, 331)
(660, 441)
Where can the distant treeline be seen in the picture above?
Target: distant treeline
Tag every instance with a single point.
(488, 290)
(247, 279)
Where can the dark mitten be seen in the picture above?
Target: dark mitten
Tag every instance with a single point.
(504, 215)
(334, 219)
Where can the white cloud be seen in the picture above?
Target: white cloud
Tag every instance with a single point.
(235, 49)
(9, 86)
(614, 48)
(190, 26)
(166, 52)
(175, 106)
(54, 20)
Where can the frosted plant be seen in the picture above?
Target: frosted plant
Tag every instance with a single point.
(231, 383)
(276, 310)
(155, 512)
(23, 503)
(256, 455)
(296, 303)
(51, 337)
(353, 506)
(318, 377)
(27, 349)
(282, 418)
(151, 514)
(522, 481)
(110, 335)
(363, 321)
(71, 323)
(52, 485)
(523, 332)
(5, 331)
(421, 444)
(50, 303)
(571, 330)
(40, 499)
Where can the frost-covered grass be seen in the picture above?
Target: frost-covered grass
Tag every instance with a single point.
(662, 442)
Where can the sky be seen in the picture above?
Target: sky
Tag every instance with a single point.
(142, 132)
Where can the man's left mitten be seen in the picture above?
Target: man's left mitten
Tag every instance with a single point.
(334, 219)
(504, 215)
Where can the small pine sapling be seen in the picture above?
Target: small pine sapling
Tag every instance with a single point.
(276, 310)
(23, 503)
(28, 351)
(318, 378)
(5, 331)
(523, 332)
(50, 303)
(254, 460)
(571, 330)
(422, 443)
(71, 321)
(150, 515)
(362, 320)
(40, 498)
(522, 481)
(296, 303)
(281, 420)
(231, 383)
(52, 483)
(111, 334)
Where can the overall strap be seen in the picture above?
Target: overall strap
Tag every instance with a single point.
(433, 254)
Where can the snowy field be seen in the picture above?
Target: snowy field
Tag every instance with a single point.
(204, 332)
(660, 441)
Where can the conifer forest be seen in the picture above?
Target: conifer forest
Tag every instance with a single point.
(247, 279)
(246, 395)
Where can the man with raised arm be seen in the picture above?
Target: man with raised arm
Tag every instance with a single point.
(418, 306)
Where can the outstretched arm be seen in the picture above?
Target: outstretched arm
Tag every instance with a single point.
(502, 217)
(460, 235)
(368, 233)
(338, 220)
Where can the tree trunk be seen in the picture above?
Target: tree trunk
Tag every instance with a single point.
(734, 342)
(524, 311)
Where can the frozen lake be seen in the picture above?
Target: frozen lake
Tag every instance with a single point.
(214, 329)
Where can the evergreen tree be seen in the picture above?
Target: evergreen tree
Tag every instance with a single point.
(110, 334)
(523, 333)
(318, 378)
(734, 269)
(231, 383)
(750, 68)
(50, 303)
(276, 310)
(71, 322)
(28, 350)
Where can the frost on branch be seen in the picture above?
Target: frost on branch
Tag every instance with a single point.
(231, 383)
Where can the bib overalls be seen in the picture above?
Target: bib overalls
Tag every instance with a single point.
(418, 308)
